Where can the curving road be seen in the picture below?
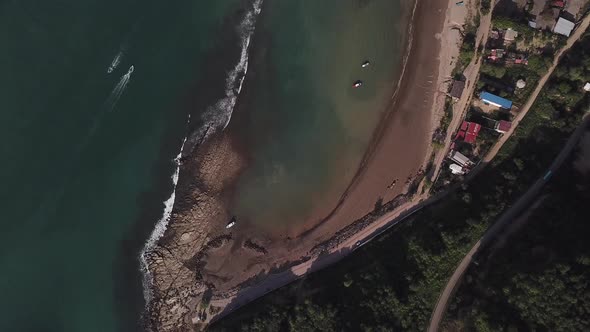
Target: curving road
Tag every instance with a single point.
(523, 202)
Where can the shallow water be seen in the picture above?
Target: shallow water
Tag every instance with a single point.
(306, 127)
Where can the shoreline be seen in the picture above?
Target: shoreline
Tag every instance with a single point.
(186, 261)
(379, 130)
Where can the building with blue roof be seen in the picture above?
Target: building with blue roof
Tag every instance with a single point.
(494, 100)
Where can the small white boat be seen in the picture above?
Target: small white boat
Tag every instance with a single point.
(365, 64)
(115, 62)
(231, 223)
(357, 84)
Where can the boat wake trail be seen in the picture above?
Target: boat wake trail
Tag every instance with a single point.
(116, 61)
(219, 115)
(216, 117)
(119, 89)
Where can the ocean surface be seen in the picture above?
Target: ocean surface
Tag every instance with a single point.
(95, 100)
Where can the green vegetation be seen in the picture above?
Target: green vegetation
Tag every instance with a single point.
(467, 50)
(529, 39)
(485, 6)
(393, 282)
(539, 280)
(524, 31)
(510, 75)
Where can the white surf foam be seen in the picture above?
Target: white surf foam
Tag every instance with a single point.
(219, 115)
(119, 89)
(216, 117)
(159, 230)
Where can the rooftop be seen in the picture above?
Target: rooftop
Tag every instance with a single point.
(564, 27)
(503, 126)
(457, 89)
(510, 35)
(498, 101)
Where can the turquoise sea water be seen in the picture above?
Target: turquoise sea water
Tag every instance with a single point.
(87, 155)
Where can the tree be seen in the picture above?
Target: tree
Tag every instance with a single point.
(537, 64)
(311, 317)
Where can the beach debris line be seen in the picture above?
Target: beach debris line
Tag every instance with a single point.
(357, 84)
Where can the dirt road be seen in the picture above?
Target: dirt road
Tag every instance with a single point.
(499, 226)
(526, 108)
(471, 74)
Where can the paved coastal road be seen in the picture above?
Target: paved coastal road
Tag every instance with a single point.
(274, 281)
(523, 202)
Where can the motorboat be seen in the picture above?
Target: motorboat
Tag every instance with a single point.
(357, 84)
(231, 223)
(365, 64)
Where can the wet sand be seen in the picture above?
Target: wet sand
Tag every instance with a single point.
(198, 254)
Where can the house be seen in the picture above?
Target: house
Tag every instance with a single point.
(503, 126)
(510, 35)
(457, 89)
(564, 27)
(456, 169)
(491, 99)
(496, 54)
(558, 4)
(468, 131)
(516, 59)
(521, 60)
(460, 159)
(587, 87)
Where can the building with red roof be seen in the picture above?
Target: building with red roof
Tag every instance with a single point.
(558, 4)
(503, 126)
(468, 132)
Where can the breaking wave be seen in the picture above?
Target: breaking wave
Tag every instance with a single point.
(216, 117)
(219, 115)
(159, 230)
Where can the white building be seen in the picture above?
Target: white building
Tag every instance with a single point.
(460, 159)
(456, 169)
(587, 87)
(564, 27)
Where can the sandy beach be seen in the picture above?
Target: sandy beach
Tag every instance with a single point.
(199, 257)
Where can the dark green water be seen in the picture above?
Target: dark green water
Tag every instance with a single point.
(87, 155)
(78, 171)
